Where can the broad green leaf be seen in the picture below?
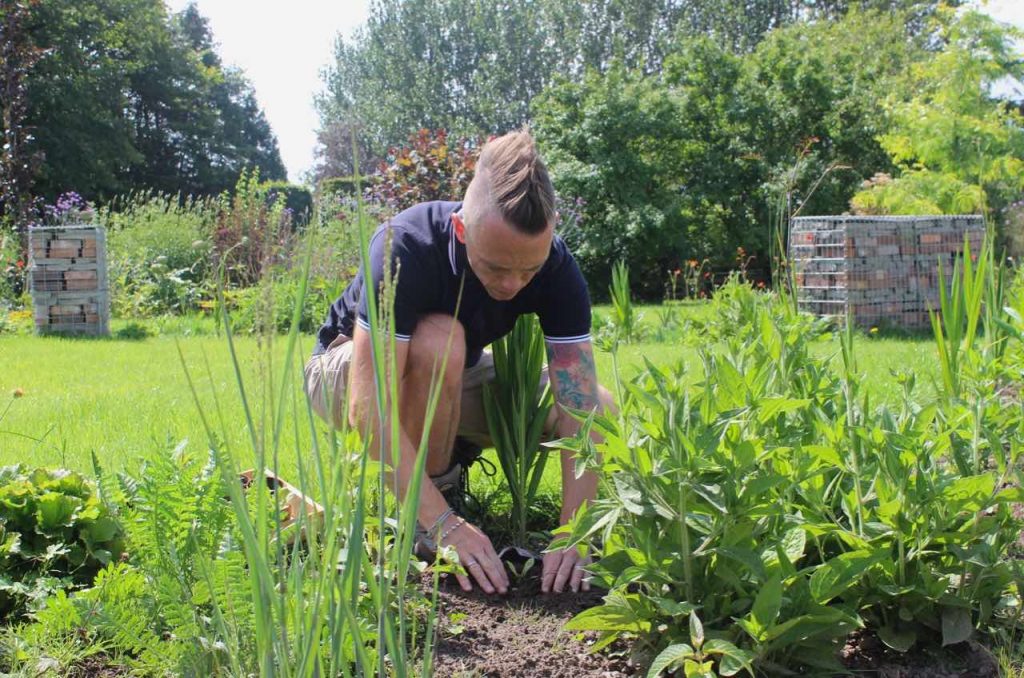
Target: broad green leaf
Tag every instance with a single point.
(824, 454)
(970, 493)
(956, 625)
(1013, 495)
(693, 669)
(630, 494)
(794, 542)
(733, 659)
(101, 530)
(900, 640)
(830, 623)
(767, 603)
(54, 510)
(769, 408)
(607, 618)
(838, 574)
(671, 655)
(674, 608)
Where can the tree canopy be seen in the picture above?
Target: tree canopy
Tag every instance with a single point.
(473, 67)
(123, 96)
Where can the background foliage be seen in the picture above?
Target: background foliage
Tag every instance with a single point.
(122, 96)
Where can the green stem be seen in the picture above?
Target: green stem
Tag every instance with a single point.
(684, 541)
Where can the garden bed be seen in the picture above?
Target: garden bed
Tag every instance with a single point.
(518, 634)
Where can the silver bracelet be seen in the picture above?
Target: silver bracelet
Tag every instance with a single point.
(458, 523)
(439, 523)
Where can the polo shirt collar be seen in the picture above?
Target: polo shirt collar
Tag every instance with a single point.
(456, 250)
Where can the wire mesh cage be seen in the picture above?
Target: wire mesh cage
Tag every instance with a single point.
(68, 279)
(881, 271)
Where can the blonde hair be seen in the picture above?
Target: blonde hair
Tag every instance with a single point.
(512, 179)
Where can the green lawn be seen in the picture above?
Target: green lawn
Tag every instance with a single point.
(124, 398)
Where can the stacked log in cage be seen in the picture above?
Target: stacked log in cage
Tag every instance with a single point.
(68, 280)
(879, 271)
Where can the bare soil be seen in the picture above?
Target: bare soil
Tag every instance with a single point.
(864, 654)
(519, 634)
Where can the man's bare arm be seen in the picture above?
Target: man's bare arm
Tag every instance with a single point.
(573, 380)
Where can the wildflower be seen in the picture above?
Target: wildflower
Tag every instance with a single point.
(760, 284)
(873, 330)
(17, 393)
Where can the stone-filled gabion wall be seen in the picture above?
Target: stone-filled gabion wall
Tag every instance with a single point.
(882, 270)
(68, 279)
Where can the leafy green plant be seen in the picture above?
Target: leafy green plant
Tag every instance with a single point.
(516, 414)
(157, 252)
(55, 533)
(624, 316)
(338, 602)
(770, 496)
(698, 485)
(697, 658)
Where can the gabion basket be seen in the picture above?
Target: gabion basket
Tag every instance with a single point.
(68, 279)
(879, 271)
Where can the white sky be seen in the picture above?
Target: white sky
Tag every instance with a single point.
(282, 47)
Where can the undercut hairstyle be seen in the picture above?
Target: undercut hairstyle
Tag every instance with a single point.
(512, 179)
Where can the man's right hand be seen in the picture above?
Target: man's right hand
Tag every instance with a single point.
(477, 556)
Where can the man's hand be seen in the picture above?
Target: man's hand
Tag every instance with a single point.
(477, 556)
(563, 567)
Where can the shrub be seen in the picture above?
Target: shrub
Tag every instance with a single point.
(13, 267)
(158, 253)
(431, 167)
(298, 200)
(341, 186)
(55, 534)
(251, 234)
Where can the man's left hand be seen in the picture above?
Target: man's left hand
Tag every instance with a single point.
(563, 567)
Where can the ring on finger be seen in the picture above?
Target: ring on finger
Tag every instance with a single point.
(471, 563)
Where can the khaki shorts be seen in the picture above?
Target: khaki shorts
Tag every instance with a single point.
(327, 381)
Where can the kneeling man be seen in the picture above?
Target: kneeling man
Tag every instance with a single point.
(467, 270)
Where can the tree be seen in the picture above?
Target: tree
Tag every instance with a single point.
(958, 148)
(608, 141)
(686, 163)
(18, 157)
(131, 98)
(473, 67)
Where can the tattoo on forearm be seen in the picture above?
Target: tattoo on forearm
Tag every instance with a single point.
(574, 379)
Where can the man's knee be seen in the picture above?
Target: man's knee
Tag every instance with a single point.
(437, 335)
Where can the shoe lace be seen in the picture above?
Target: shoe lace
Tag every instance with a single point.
(467, 454)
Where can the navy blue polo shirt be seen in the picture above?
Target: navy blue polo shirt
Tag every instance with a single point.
(431, 268)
